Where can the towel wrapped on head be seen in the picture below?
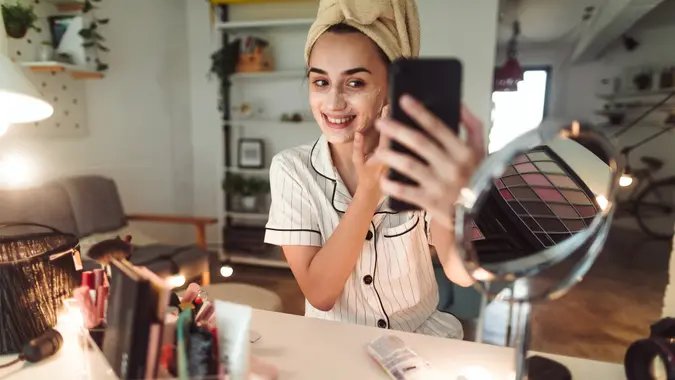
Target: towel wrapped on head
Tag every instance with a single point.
(392, 24)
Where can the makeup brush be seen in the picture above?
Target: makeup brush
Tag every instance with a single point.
(109, 249)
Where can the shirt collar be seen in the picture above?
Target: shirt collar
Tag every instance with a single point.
(322, 163)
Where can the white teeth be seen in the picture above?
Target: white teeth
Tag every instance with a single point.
(340, 121)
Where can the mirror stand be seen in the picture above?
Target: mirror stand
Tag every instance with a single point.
(534, 367)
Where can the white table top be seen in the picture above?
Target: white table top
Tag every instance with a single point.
(308, 349)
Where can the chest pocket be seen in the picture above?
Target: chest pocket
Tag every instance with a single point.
(401, 247)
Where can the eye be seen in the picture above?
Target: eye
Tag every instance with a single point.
(356, 83)
(320, 82)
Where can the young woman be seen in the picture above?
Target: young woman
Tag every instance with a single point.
(356, 260)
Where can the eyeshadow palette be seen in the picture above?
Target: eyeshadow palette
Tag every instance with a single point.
(546, 196)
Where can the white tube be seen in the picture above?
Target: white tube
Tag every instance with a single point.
(233, 321)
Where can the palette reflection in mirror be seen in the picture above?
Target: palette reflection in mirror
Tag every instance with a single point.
(536, 214)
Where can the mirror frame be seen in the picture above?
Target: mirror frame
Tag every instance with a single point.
(472, 197)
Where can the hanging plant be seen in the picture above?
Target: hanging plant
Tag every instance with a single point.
(93, 40)
(18, 19)
(224, 64)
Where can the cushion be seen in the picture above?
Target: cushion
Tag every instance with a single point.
(48, 204)
(96, 204)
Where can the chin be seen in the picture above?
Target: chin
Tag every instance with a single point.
(338, 137)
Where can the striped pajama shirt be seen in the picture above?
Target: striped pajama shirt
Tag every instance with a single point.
(393, 283)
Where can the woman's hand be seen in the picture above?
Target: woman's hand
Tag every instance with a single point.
(451, 161)
(368, 169)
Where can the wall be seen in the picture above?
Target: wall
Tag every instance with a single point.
(138, 116)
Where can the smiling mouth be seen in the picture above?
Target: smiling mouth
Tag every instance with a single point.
(338, 122)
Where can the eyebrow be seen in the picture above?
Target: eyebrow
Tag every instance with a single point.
(353, 71)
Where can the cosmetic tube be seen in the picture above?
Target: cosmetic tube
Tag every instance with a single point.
(232, 322)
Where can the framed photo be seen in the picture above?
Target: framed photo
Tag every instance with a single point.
(251, 154)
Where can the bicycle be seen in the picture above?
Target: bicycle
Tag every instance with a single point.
(651, 200)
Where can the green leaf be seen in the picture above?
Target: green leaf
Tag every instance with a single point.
(103, 48)
(88, 6)
(93, 26)
(103, 21)
(85, 33)
(88, 45)
(101, 66)
(97, 37)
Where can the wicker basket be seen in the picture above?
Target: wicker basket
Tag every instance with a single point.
(37, 272)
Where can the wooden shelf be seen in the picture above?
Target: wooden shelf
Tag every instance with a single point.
(246, 215)
(76, 72)
(273, 259)
(68, 5)
(266, 24)
(272, 123)
(633, 94)
(247, 171)
(285, 74)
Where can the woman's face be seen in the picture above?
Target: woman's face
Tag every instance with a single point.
(347, 85)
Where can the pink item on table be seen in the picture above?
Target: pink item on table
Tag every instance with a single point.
(87, 308)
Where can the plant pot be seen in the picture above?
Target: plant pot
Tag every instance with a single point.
(16, 31)
(248, 202)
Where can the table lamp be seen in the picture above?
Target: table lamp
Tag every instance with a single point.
(20, 101)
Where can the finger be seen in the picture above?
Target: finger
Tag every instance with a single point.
(411, 168)
(412, 139)
(428, 121)
(357, 153)
(412, 194)
(384, 113)
(190, 293)
(475, 131)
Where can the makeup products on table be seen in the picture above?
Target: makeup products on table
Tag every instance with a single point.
(232, 322)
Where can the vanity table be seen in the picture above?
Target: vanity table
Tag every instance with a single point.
(308, 349)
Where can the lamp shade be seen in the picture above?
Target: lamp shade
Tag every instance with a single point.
(20, 102)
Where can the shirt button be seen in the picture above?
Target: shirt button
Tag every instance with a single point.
(367, 279)
(382, 324)
(369, 235)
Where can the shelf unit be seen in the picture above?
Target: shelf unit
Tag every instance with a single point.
(75, 72)
(633, 94)
(266, 24)
(68, 5)
(649, 108)
(270, 75)
(266, 90)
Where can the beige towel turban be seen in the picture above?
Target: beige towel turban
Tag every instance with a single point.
(393, 24)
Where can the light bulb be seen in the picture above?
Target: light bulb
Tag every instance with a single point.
(625, 180)
(176, 281)
(226, 271)
(15, 170)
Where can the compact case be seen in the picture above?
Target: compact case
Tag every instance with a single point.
(538, 202)
(37, 272)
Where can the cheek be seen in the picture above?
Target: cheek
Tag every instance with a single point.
(368, 105)
(316, 100)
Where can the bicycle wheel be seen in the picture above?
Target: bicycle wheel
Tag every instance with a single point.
(655, 209)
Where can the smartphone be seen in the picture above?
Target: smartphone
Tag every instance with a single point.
(437, 83)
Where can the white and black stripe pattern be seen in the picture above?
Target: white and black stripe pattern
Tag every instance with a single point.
(393, 284)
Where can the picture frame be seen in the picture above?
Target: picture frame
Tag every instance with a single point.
(251, 153)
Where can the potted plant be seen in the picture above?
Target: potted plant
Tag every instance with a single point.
(247, 189)
(18, 19)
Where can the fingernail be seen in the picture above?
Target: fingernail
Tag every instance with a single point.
(407, 100)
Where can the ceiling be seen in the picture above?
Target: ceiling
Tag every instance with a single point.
(544, 21)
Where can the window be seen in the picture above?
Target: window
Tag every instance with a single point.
(517, 112)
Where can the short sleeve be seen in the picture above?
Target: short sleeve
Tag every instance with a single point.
(292, 219)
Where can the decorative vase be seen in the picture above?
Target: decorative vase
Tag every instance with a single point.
(248, 202)
(45, 53)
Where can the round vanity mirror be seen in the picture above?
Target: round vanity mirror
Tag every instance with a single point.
(537, 212)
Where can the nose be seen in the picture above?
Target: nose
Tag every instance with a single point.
(336, 99)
